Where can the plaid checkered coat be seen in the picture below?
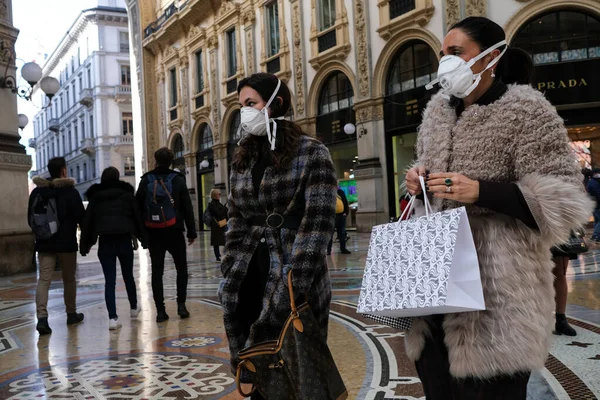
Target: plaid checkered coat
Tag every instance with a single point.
(310, 180)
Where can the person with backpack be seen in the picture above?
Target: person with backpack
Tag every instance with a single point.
(167, 209)
(342, 209)
(114, 215)
(55, 210)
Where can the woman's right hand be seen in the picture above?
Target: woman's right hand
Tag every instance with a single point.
(413, 183)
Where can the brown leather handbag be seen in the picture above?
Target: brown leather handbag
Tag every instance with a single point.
(296, 366)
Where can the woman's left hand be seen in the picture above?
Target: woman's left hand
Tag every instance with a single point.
(462, 189)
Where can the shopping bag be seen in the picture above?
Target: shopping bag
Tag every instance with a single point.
(422, 266)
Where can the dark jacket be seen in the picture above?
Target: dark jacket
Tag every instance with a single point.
(70, 212)
(112, 210)
(218, 212)
(593, 188)
(181, 196)
(341, 193)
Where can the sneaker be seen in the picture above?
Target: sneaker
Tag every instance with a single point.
(42, 326)
(135, 312)
(345, 251)
(74, 318)
(113, 324)
(161, 315)
(562, 327)
(182, 311)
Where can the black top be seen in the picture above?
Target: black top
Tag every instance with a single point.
(504, 198)
(342, 195)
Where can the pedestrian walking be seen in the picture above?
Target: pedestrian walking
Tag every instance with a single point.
(281, 217)
(113, 218)
(55, 211)
(218, 224)
(593, 188)
(494, 144)
(167, 208)
(342, 210)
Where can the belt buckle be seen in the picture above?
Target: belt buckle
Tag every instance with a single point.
(272, 219)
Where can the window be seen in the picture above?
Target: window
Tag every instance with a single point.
(124, 42)
(337, 94)
(78, 177)
(91, 126)
(89, 77)
(178, 147)
(560, 36)
(173, 86)
(71, 172)
(206, 142)
(272, 13)
(67, 97)
(326, 14)
(70, 141)
(415, 66)
(83, 129)
(199, 72)
(129, 166)
(234, 133)
(93, 166)
(231, 54)
(125, 75)
(127, 122)
(85, 172)
(76, 134)
(80, 82)
(64, 143)
(400, 7)
(74, 94)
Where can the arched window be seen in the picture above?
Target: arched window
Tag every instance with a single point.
(336, 94)
(234, 127)
(178, 147)
(206, 138)
(560, 36)
(415, 65)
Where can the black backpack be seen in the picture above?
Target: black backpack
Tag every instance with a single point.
(160, 205)
(43, 217)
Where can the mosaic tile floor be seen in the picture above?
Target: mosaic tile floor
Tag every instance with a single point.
(189, 358)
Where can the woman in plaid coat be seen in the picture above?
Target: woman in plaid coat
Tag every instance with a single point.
(281, 216)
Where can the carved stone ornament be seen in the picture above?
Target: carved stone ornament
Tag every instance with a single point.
(215, 96)
(3, 10)
(15, 161)
(250, 50)
(363, 56)
(452, 12)
(298, 67)
(249, 17)
(476, 8)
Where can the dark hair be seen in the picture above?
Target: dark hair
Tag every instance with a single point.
(110, 174)
(55, 166)
(164, 157)
(288, 133)
(515, 66)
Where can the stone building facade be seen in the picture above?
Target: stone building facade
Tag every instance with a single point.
(345, 61)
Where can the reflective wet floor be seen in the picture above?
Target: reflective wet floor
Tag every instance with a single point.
(189, 358)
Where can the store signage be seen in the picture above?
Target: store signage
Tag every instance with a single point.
(573, 82)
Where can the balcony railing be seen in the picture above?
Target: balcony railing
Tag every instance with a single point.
(232, 85)
(327, 41)
(123, 89)
(124, 139)
(88, 146)
(400, 7)
(54, 124)
(86, 97)
(173, 114)
(199, 101)
(32, 143)
(274, 66)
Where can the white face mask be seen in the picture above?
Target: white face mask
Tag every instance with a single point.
(257, 122)
(456, 77)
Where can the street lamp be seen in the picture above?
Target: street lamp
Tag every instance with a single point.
(23, 121)
(350, 129)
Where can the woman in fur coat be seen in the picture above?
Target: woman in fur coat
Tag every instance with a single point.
(281, 216)
(494, 144)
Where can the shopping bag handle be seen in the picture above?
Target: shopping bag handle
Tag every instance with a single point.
(411, 203)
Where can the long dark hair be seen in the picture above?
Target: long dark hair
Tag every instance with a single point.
(110, 174)
(288, 133)
(515, 66)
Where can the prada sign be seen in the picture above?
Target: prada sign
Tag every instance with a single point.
(569, 82)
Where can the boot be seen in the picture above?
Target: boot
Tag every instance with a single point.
(182, 311)
(74, 318)
(161, 315)
(562, 326)
(42, 326)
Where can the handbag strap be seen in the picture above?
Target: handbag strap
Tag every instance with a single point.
(411, 203)
(238, 375)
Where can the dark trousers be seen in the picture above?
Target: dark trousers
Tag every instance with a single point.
(217, 252)
(434, 370)
(340, 227)
(109, 249)
(160, 242)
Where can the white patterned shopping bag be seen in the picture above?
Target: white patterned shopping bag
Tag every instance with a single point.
(422, 266)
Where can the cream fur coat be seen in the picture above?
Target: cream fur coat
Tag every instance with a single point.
(519, 138)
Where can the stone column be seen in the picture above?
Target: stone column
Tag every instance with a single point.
(190, 178)
(220, 161)
(16, 239)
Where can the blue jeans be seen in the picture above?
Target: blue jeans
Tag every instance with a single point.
(596, 234)
(111, 247)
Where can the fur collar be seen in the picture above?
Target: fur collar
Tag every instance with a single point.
(57, 183)
(120, 186)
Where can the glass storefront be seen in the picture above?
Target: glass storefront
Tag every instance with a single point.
(204, 169)
(178, 150)
(403, 154)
